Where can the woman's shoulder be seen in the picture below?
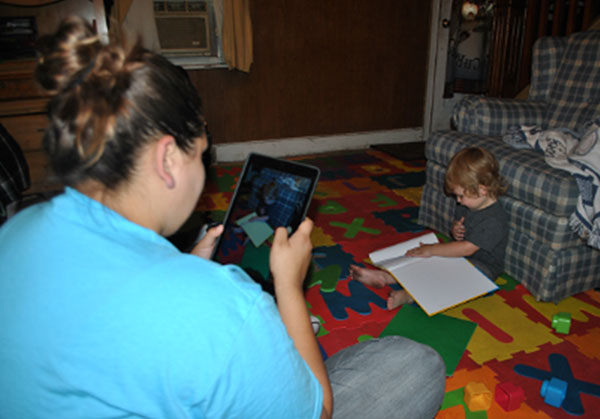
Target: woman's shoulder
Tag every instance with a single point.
(186, 277)
(191, 268)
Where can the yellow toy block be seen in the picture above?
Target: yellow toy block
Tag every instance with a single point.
(477, 396)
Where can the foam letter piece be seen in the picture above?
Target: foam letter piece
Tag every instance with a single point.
(553, 391)
(509, 396)
(477, 396)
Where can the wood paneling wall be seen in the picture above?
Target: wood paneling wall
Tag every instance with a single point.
(323, 68)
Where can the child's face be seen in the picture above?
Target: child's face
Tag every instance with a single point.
(474, 202)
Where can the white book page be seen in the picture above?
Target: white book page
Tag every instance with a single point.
(394, 256)
(442, 282)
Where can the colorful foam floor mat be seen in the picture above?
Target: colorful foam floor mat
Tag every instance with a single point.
(368, 199)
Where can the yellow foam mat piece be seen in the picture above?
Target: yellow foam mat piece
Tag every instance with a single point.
(375, 169)
(572, 305)
(319, 238)
(525, 334)
(410, 194)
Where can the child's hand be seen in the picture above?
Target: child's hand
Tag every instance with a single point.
(423, 251)
(458, 229)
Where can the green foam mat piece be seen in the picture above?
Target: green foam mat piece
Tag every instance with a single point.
(328, 278)
(257, 259)
(447, 335)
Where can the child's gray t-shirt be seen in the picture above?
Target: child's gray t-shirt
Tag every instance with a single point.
(488, 230)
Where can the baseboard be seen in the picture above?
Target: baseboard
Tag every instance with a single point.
(233, 152)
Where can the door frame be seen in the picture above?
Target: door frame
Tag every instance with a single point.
(438, 109)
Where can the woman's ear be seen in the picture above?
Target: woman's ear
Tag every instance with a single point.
(165, 160)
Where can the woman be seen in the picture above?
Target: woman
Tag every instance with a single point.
(103, 317)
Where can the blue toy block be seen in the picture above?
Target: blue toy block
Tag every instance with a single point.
(553, 391)
(560, 368)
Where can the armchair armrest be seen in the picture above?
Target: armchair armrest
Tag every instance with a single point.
(493, 116)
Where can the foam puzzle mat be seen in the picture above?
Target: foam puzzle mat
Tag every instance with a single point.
(368, 199)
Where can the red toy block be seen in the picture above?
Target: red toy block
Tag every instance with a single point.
(509, 396)
(477, 396)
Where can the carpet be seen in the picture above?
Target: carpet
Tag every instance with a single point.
(370, 199)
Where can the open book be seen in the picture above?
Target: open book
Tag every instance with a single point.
(435, 283)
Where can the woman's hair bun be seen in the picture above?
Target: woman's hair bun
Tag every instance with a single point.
(67, 56)
(109, 101)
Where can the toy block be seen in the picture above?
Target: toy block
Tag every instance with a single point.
(561, 322)
(553, 391)
(477, 396)
(509, 396)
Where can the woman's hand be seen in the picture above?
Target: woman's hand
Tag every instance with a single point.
(458, 229)
(207, 243)
(290, 256)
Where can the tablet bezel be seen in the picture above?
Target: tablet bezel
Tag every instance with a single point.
(256, 160)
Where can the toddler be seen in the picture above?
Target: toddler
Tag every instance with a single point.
(480, 227)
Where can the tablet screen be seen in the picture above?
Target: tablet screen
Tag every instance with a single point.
(270, 193)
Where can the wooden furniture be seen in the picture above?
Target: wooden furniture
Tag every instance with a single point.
(22, 103)
(23, 114)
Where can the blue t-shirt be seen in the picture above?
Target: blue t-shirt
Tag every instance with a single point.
(104, 318)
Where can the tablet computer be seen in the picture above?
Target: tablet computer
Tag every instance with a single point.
(270, 193)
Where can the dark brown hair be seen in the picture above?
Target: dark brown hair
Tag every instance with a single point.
(471, 167)
(109, 101)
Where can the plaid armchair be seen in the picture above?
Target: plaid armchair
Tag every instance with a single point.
(543, 252)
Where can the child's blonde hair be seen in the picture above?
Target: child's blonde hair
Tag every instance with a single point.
(472, 167)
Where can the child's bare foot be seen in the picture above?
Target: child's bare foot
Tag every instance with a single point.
(372, 277)
(398, 298)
